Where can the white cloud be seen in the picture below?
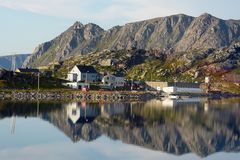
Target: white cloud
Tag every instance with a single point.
(65, 8)
(102, 148)
(114, 12)
(95, 10)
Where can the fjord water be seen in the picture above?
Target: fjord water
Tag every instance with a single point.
(155, 129)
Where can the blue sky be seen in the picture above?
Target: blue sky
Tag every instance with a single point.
(27, 23)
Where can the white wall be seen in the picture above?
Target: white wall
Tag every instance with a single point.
(76, 85)
(109, 79)
(90, 77)
(73, 112)
(76, 71)
(120, 81)
(115, 81)
(73, 85)
(172, 90)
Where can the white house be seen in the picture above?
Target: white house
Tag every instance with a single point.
(120, 82)
(83, 73)
(113, 80)
(77, 85)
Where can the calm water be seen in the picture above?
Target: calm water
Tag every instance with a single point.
(179, 129)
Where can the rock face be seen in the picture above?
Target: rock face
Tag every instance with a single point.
(167, 34)
(78, 39)
(6, 61)
(209, 32)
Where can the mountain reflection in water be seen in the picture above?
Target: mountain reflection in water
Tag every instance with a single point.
(178, 127)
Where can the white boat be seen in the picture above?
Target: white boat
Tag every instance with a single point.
(173, 97)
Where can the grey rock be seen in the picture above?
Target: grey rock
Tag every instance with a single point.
(170, 34)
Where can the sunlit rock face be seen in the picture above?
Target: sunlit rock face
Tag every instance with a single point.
(170, 34)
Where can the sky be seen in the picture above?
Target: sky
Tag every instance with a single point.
(24, 24)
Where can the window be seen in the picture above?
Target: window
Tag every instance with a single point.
(74, 112)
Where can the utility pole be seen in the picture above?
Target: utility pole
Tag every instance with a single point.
(38, 82)
(68, 66)
(13, 124)
(37, 108)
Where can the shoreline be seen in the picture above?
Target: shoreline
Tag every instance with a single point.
(95, 95)
(73, 95)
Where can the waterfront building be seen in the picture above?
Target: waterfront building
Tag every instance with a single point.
(174, 87)
(113, 80)
(83, 73)
(77, 85)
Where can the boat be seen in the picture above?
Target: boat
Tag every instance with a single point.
(173, 97)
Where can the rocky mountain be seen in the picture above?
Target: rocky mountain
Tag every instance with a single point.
(6, 61)
(78, 39)
(170, 34)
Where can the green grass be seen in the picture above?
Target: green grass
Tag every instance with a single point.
(30, 82)
(156, 70)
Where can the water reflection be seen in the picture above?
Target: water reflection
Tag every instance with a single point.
(178, 127)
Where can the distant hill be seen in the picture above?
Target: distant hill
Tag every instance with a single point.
(171, 34)
(6, 61)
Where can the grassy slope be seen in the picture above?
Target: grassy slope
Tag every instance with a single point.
(30, 82)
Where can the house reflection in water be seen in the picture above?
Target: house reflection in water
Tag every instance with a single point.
(81, 112)
(171, 103)
(110, 109)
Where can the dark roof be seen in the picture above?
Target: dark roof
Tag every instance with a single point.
(86, 69)
(28, 70)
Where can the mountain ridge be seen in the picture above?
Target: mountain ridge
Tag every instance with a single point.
(169, 34)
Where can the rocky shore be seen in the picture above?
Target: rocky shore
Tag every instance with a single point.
(74, 95)
(94, 95)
